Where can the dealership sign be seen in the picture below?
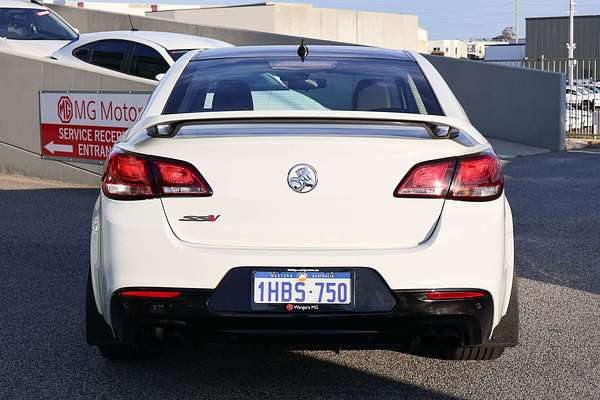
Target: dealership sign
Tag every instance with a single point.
(84, 126)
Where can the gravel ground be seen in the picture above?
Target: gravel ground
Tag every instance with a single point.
(43, 262)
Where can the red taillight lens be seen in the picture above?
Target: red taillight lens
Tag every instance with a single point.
(453, 295)
(176, 178)
(150, 294)
(429, 180)
(477, 178)
(127, 176)
(132, 176)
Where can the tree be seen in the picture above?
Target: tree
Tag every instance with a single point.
(508, 33)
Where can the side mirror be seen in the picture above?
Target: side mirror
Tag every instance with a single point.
(159, 77)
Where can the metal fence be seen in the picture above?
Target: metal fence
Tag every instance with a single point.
(582, 117)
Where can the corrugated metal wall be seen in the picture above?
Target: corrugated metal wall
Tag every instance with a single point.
(549, 37)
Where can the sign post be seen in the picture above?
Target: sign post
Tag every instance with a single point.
(83, 126)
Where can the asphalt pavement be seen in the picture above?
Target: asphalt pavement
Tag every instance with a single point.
(44, 259)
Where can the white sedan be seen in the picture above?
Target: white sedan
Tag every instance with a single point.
(145, 54)
(33, 29)
(375, 219)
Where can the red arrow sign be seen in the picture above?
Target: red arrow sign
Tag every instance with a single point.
(79, 141)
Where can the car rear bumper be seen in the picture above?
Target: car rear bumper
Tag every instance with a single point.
(382, 318)
(463, 322)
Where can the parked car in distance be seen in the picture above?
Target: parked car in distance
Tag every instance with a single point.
(366, 213)
(145, 54)
(33, 29)
(582, 96)
(578, 118)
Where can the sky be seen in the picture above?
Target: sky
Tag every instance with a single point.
(444, 19)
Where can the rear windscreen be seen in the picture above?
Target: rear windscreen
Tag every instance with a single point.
(342, 84)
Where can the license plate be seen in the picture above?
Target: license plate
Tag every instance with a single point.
(310, 287)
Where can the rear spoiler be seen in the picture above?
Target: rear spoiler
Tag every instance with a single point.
(438, 127)
(439, 131)
(166, 130)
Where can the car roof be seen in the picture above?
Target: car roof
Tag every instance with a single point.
(20, 4)
(315, 51)
(168, 40)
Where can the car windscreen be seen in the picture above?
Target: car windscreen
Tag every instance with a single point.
(285, 83)
(33, 24)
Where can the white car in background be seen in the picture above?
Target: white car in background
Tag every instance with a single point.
(31, 28)
(145, 54)
(376, 219)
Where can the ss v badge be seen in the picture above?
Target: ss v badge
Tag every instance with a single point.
(200, 218)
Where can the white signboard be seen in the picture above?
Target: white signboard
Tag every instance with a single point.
(84, 126)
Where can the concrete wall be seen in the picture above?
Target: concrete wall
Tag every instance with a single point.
(515, 104)
(21, 80)
(96, 21)
(388, 30)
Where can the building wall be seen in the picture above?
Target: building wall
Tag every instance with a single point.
(256, 18)
(305, 20)
(422, 40)
(393, 31)
(549, 36)
(449, 48)
(477, 48)
(127, 8)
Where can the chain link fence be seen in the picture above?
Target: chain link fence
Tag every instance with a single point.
(582, 116)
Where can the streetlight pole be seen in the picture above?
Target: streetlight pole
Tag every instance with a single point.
(571, 46)
(517, 21)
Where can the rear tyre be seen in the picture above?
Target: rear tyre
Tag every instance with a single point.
(98, 333)
(505, 335)
(479, 353)
(117, 352)
(97, 330)
(128, 352)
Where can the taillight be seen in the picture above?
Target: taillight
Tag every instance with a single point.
(127, 176)
(427, 180)
(175, 178)
(132, 177)
(477, 178)
(471, 178)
